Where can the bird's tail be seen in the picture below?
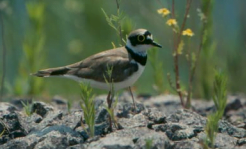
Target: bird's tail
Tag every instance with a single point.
(51, 72)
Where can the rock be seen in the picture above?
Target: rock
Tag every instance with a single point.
(127, 109)
(100, 129)
(32, 122)
(233, 105)
(50, 119)
(55, 117)
(224, 141)
(134, 133)
(161, 124)
(61, 104)
(187, 117)
(237, 117)
(6, 108)
(187, 144)
(78, 146)
(182, 125)
(41, 108)
(203, 107)
(18, 102)
(225, 127)
(112, 143)
(52, 137)
(241, 141)
(155, 116)
(166, 104)
(154, 140)
(72, 119)
(126, 138)
(176, 131)
(101, 112)
(101, 115)
(10, 124)
(138, 120)
(59, 100)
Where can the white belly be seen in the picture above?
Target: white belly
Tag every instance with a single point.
(117, 85)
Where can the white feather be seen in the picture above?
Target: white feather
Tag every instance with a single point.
(140, 49)
(117, 85)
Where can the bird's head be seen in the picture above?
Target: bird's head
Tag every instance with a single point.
(141, 40)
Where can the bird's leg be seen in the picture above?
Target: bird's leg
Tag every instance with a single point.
(134, 105)
(109, 108)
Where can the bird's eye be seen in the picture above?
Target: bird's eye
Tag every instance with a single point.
(141, 38)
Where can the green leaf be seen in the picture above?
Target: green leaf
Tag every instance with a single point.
(180, 47)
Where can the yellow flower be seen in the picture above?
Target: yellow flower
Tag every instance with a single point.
(171, 22)
(163, 11)
(188, 32)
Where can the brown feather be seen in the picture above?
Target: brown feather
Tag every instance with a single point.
(95, 66)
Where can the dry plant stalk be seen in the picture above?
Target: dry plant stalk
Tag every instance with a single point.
(178, 46)
(175, 48)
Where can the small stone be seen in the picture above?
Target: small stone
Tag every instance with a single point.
(138, 120)
(225, 141)
(6, 108)
(18, 102)
(41, 108)
(225, 127)
(160, 127)
(58, 136)
(233, 105)
(155, 140)
(59, 100)
(156, 116)
(112, 143)
(126, 109)
(241, 141)
(188, 144)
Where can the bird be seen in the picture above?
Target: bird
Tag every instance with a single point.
(127, 62)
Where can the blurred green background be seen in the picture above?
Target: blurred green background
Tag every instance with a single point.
(40, 34)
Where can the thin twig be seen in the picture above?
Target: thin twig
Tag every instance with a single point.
(175, 48)
(176, 57)
(3, 57)
(188, 4)
(173, 8)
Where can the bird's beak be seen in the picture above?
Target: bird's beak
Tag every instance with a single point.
(156, 44)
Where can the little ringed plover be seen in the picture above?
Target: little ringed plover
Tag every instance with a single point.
(128, 63)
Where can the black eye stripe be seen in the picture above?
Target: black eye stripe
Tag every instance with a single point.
(134, 39)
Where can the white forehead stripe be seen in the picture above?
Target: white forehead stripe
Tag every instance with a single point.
(150, 37)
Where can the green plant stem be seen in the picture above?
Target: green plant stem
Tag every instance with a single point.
(109, 101)
(3, 58)
(120, 31)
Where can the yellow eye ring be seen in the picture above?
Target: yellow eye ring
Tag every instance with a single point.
(141, 38)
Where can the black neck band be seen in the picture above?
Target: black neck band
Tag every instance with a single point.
(142, 59)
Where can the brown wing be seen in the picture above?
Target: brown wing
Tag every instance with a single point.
(95, 67)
